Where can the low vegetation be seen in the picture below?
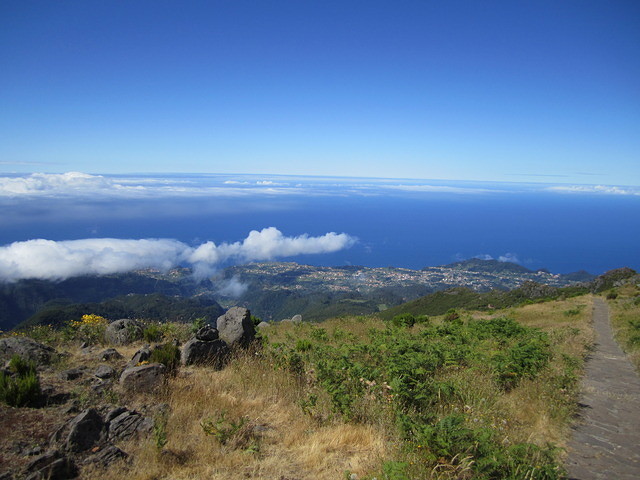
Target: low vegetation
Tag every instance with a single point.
(624, 302)
(463, 394)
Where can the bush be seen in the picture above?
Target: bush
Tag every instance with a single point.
(303, 345)
(452, 316)
(152, 333)
(168, 355)
(404, 320)
(89, 329)
(23, 387)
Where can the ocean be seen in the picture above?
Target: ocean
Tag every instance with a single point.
(401, 223)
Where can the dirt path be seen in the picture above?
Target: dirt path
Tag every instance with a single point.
(606, 440)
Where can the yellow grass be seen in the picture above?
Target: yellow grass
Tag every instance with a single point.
(276, 440)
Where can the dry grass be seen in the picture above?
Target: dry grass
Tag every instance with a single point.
(275, 439)
(625, 321)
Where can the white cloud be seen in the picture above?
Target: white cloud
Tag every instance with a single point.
(233, 288)
(509, 257)
(47, 259)
(83, 185)
(599, 189)
(54, 184)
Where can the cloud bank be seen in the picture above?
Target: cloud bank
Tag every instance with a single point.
(596, 189)
(51, 260)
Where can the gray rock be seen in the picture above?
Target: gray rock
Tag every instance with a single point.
(142, 355)
(26, 348)
(296, 319)
(113, 413)
(236, 328)
(123, 332)
(109, 355)
(144, 378)
(262, 325)
(199, 352)
(85, 430)
(105, 371)
(51, 465)
(207, 334)
(129, 424)
(106, 456)
(72, 373)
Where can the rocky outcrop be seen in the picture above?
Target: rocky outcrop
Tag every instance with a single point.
(236, 327)
(128, 424)
(205, 352)
(52, 465)
(144, 378)
(106, 456)
(81, 433)
(123, 332)
(26, 348)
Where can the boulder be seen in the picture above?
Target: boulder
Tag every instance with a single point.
(143, 378)
(129, 424)
(105, 371)
(26, 348)
(82, 432)
(123, 332)
(72, 373)
(109, 355)
(236, 327)
(142, 355)
(51, 465)
(201, 352)
(296, 319)
(207, 334)
(262, 325)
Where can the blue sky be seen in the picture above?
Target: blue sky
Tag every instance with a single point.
(541, 91)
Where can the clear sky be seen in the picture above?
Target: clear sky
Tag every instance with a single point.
(545, 91)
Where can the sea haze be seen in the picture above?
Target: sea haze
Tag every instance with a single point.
(402, 223)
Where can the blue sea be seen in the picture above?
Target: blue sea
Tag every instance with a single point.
(397, 222)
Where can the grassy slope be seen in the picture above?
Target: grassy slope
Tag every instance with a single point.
(289, 426)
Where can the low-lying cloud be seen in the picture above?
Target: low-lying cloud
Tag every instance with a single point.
(51, 260)
(507, 257)
(596, 189)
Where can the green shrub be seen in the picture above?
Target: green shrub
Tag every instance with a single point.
(525, 359)
(168, 355)
(23, 387)
(152, 333)
(452, 316)
(197, 324)
(222, 428)
(404, 320)
(612, 295)
(303, 345)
